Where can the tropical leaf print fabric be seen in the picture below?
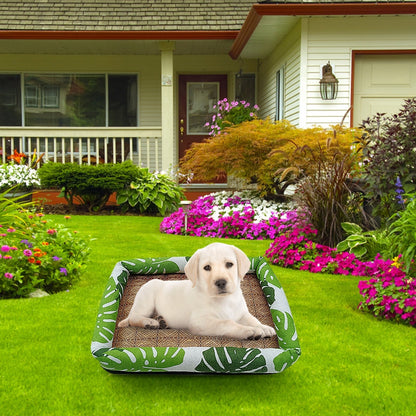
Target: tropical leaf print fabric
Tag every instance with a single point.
(192, 359)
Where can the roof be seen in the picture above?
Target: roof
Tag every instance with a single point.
(269, 21)
(123, 15)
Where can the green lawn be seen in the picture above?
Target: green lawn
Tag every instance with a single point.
(351, 363)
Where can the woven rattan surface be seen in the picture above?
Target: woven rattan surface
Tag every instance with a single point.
(138, 337)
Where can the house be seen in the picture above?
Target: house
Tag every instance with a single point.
(104, 81)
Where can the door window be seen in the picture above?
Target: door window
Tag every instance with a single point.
(201, 98)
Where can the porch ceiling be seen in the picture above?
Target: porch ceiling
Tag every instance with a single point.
(269, 32)
(112, 47)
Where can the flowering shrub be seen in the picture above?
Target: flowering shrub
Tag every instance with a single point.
(388, 293)
(230, 215)
(42, 256)
(230, 113)
(18, 175)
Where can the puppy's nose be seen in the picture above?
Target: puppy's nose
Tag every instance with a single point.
(221, 283)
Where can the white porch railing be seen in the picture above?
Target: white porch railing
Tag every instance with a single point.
(142, 145)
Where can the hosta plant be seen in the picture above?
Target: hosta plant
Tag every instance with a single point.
(151, 193)
(364, 244)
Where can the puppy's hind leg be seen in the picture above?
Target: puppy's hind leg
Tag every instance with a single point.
(143, 308)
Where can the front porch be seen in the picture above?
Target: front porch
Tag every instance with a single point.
(141, 145)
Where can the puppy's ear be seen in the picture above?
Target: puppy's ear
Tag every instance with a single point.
(191, 268)
(243, 262)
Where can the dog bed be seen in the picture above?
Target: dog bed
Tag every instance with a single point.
(134, 349)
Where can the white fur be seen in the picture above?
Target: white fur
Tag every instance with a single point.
(209, 303)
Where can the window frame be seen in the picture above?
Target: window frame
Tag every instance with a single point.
(280, 94)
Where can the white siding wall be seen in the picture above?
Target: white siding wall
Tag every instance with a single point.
(286, 56)
(309, 46)
(334, 39)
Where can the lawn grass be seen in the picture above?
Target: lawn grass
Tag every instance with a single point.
(351, 363)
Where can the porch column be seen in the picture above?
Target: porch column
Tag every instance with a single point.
(168, 124)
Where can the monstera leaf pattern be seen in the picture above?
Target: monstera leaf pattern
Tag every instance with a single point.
(192, 359)
(232, 360)
(143, 359)
(286, 331)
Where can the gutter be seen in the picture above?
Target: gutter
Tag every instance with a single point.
(118, 35)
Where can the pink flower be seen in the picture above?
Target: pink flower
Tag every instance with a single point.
(8, 275)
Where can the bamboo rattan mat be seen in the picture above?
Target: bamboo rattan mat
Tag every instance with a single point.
(138, 337)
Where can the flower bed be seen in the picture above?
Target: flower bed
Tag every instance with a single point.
(43, 256)
(230, 215)
(388, 294)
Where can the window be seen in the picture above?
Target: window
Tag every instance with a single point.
(122, 100)
(245, 88)
(50, 97)
(279, 95)
(10, 106)
(69, 100)
(31, 96)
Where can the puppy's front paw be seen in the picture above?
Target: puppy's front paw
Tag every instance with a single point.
(162, 322)
(254, 332)
(268, 331)
(149, 323)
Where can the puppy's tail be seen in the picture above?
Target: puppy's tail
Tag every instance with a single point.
(124, 323)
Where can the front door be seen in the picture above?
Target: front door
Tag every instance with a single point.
(197, 96)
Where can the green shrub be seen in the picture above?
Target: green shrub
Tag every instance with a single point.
(389, 157)
(41, 255)
(91, 185)
(271, 154)
(151, 193)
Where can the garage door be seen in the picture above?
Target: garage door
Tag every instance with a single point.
(381, 84)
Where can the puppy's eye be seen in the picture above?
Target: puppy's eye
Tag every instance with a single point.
(228, 265)
(207, 268)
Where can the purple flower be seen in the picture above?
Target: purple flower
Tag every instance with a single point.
(63, 271)
(56, 258)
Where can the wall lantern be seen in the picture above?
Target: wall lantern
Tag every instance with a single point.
(328, 83)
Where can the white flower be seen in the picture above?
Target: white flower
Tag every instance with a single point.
(13, 175)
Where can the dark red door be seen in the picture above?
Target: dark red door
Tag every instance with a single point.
(197, 96)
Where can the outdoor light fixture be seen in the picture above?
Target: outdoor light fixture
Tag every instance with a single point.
(328, 83)
(185, 206)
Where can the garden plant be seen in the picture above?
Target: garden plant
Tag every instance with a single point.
(270, 154)
(389, 158)
(91, 185)
(35, 253)
(150, 193)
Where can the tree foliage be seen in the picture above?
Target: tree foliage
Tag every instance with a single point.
(271, 154)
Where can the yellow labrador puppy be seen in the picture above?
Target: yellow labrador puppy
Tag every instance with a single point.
(209, 303)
